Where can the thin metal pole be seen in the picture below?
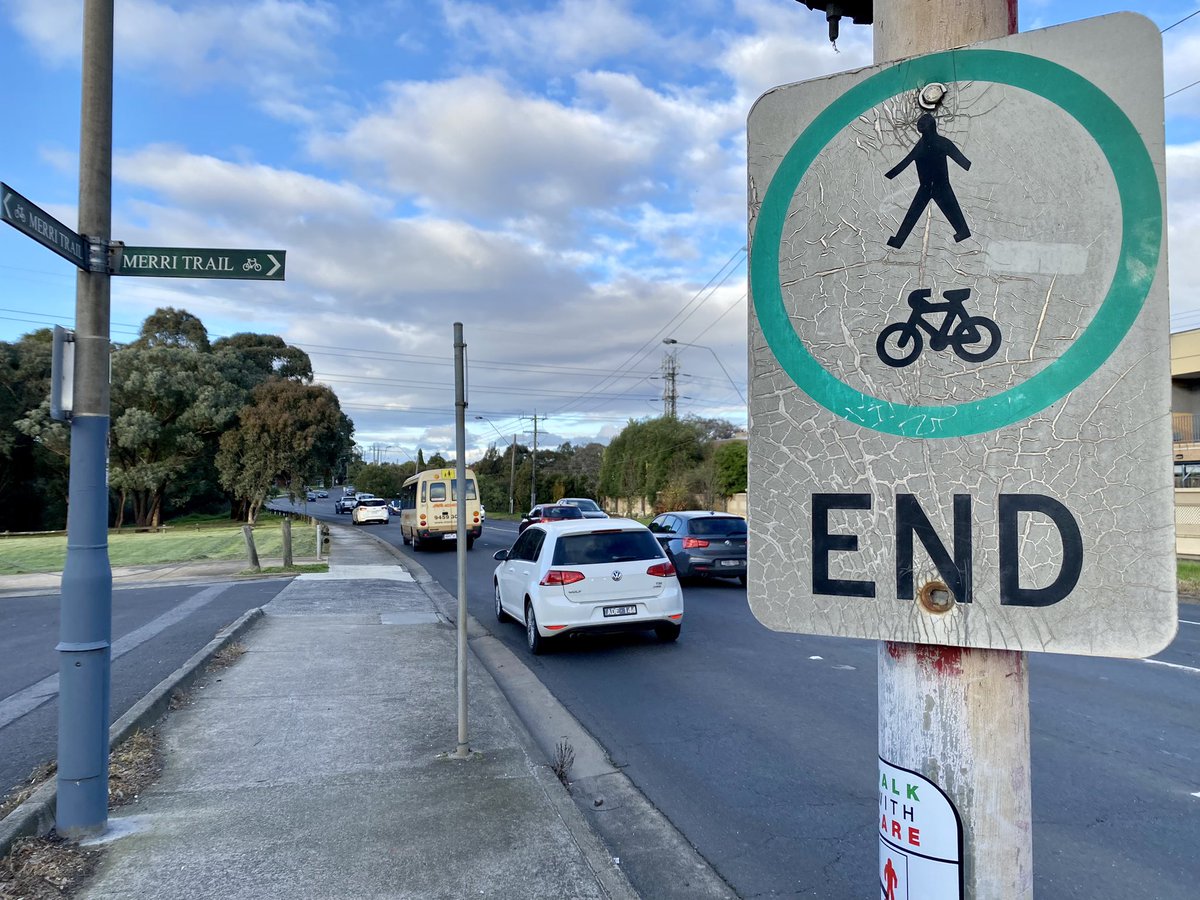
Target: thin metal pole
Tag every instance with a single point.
(512, 475)
(960, 717)
(533, 465)
(85, 628)
(460, 484)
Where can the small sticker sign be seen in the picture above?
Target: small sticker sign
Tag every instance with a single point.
(920, 838)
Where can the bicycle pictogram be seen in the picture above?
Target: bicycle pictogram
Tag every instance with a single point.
(973, 338)
(252, 265)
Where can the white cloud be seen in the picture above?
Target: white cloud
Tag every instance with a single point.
(260, 44)
(472, 146)
(577, 32)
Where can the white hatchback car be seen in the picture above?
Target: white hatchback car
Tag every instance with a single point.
(580, 575)
(370, 509)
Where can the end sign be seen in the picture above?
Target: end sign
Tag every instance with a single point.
(960, 410)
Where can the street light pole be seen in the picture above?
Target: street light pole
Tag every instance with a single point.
(733, 383)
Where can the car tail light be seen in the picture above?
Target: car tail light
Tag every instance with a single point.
(662, 570)
(693, 543)
(561, 576)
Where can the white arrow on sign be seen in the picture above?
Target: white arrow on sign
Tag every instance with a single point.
(275, 267)
(7, 211)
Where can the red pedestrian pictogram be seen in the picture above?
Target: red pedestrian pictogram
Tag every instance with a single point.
(890, 879)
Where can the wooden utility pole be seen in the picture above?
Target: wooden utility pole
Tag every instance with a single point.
(960, 716)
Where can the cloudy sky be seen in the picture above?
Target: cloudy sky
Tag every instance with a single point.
(565, 177)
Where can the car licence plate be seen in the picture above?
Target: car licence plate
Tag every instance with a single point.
(731, 562)
(619, 611)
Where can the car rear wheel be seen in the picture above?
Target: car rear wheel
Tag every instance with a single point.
(470, 543)
(501, 615)
(533, 638)
(404, 537)
(667, 631)
(742, 579)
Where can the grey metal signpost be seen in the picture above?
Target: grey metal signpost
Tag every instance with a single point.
(960, 419)
(86, 616)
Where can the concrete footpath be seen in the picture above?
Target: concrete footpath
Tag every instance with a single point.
(321, 764)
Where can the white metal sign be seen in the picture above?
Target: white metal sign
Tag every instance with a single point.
(960, 402)
(920, 838)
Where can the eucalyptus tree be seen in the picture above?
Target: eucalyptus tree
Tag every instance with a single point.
(288, 434)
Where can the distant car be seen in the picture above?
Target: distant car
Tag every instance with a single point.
(311, 495)
(323, 494)
(590, 508)
(394, 506)
(345, 504)
(567, 577)
(482, 513)
(702, 543)
(348, 490)
(370, 509)
(548, 512)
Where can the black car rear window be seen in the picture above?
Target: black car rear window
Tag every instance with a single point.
(717, 525)
(605, 547)
(561, 512)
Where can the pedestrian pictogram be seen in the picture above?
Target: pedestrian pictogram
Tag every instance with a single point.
(973, 338)
(890, 880)
(989, 418)
(930, 155)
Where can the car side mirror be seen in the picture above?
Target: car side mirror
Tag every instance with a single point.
(500, 555)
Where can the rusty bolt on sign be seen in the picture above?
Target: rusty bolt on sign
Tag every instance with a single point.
(932, 95)
(935, 596)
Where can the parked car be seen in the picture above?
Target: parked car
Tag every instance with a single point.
(549, 512)
(566, 577)
(590, 508)
(345, 503)
(370, 509)
(703, 543)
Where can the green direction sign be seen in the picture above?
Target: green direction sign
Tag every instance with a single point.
(34, 221)
(186, 262)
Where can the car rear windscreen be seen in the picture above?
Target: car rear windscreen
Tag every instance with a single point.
(605, 547)
(718, 526)
(373, 501)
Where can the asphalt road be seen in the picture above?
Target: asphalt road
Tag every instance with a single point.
(761, 747)
(155, 630)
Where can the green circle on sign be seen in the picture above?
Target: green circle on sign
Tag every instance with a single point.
(1141, 238)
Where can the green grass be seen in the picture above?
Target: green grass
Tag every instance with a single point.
(203, 540)
(1188, 574)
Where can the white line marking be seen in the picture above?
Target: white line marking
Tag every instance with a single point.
(16, 705)
(816, 657)
(1189, 622)
(1159, 662)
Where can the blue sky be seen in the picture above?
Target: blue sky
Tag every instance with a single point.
(566, 178)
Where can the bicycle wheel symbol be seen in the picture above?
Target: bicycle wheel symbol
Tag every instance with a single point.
(252, 265)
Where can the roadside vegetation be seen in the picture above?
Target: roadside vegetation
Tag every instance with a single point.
(210, 538)
(196, 426)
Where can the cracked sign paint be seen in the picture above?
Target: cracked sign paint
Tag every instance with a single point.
(959, 348)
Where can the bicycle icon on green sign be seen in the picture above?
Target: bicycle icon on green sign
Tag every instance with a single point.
(973, 338)
(252, 265)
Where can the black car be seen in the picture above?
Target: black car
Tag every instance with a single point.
(549, 512)
(702, 543)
